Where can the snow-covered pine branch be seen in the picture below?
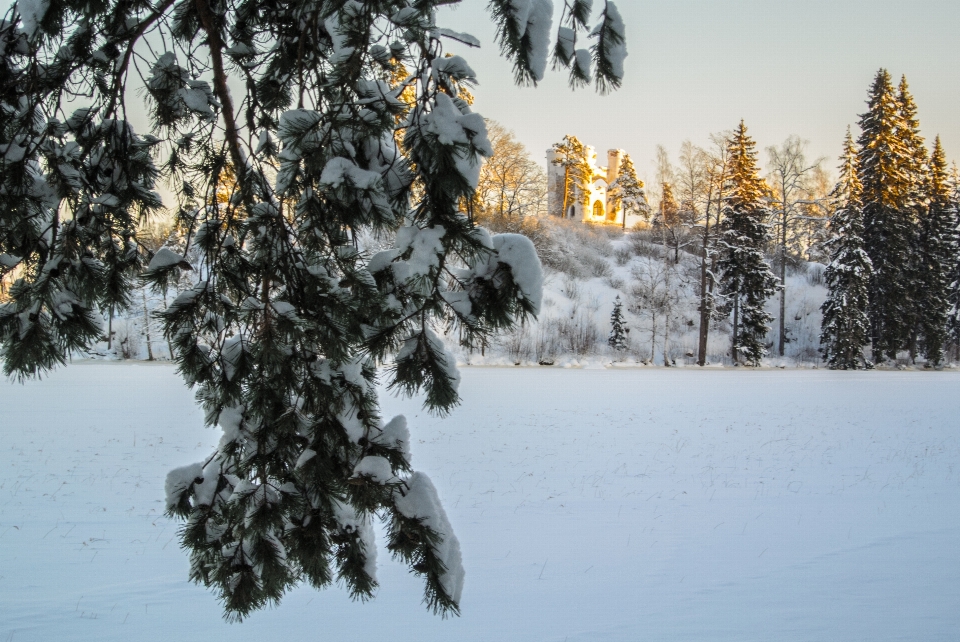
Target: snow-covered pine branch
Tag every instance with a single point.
(287, 132)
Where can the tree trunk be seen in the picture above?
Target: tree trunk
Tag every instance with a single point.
(110, 330)
(736, 330)
(666, 340)
(169, 345)
(146, 325)
(667, 312)
(653, 336)
(705, 301)
(566, 190)
(783, 282)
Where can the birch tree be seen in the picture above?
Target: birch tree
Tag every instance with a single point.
(789, 177)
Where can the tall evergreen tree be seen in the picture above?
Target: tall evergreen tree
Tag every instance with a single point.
(937, 256)
(914, 207)
(846, 329)
(618, 329)
(915, 157)
(571, 155)
(888, 228)
(746, 279)
(627, 191)
(668, 214)
(953, 291)
(287, 110)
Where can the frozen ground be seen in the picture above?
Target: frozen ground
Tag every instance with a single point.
(591, 505)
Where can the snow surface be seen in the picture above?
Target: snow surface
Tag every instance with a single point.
(590, 505)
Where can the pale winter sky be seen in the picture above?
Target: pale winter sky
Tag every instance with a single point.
(699, 66)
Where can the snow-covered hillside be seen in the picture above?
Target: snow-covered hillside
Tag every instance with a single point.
(587, 268)
(591, 505)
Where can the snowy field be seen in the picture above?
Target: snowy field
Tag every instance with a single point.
(591, 505)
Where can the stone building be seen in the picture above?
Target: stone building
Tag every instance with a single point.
(597, 206)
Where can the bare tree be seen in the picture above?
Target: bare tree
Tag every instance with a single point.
(653, 296)
(792, 185)
(715, 163)
(667, 212)
(511, 184)
(511, 193)
(690, 188)
(663, 175)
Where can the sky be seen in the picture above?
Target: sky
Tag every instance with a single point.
(699, 66)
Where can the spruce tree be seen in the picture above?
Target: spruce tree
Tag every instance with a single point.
(953, 290)
(914, 208)
(846, 329)
(937, 256)
(746, 279)
(668, 214)
(627, 191)
(278, 126)
(618, 329)
(883, 160)
(915, 158)
(571, 155)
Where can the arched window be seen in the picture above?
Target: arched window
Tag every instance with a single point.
(598, 209)
(571, 211)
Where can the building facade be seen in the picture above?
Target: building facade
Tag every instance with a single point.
(596, 206)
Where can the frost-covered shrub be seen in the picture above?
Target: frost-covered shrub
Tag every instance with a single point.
(595, 237)
(643, 245)
(815, 273)
(571, 247)
(615, 282)
(572, 288)
(579, 334)
(546, 345)
(564, 262)
(127, 338)
(518, 343)
(622, 255)
(599, 268)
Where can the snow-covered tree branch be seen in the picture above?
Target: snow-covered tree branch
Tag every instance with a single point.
(286, 132)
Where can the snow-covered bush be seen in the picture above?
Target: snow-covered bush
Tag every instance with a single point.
(127, 338)
(579, 334)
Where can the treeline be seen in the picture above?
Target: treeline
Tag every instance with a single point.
(887, 230)
(894, 272)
